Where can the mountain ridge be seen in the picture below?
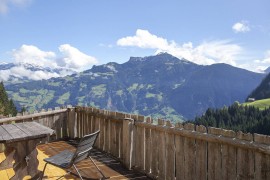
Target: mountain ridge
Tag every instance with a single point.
(162, 86)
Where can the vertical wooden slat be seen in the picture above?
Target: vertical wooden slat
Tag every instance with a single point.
(63, 117)
(117, 139)
(113, 135)
(122, 117)
(228, 157)
(102, 130)
(245, 159)
(107, 134)
(201, 155)
(75, 122)
(262, 161)
(70, 122)
(137, 146)
(141, 148)
(135, 142)
(119, 132)
(162, 151)
(170, 152)
(113, 138)
(94, 112)
(179, 154)
(190, 154)
(155, 152)
(83, 121)
(148, 147)
(50, 122)
(127, 141)
(86, 123)
(214, 156)
(78, 121)
(91, 119)
(97, 127)
(55, 123)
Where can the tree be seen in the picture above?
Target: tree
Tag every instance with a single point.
(7, 106)
(238, 118)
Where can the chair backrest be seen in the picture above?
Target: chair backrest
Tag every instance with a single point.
(83, 149)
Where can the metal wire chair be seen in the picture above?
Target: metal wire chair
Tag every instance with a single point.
(67, 159)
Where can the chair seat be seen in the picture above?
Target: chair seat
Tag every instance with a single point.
(61, 160)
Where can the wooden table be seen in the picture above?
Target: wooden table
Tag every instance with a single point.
(20, 141)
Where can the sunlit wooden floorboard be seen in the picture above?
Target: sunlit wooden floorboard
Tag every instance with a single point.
(109, 166)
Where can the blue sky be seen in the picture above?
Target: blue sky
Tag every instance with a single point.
(80, 33)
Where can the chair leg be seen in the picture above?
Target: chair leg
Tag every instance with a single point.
(77, 171)
(104, 177)
(42, 175)
(63, 175)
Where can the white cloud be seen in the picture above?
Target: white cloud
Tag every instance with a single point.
(262, 64)
(265, 60)
(69, 57)
(241, 27)
(33, 55)
(6, 4)
(75, 59)
(68, 60)
(206, 53)
(143, 39)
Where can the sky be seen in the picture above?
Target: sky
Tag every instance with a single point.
(78, 34)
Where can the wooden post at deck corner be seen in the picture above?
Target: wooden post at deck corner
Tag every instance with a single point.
(128, 125)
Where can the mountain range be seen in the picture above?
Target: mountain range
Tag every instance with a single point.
(161, 86)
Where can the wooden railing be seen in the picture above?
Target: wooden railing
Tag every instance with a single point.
(164, 151)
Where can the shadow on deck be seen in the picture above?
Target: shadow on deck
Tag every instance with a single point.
(109, 166)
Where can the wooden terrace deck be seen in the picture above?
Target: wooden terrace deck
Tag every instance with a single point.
(109, 166)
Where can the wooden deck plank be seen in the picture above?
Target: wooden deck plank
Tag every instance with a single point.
(109, 166)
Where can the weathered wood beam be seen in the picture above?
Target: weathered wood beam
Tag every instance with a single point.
(32, 116)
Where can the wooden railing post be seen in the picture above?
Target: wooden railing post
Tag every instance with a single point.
(128, 125)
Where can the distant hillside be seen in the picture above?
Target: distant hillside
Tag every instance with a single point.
(214, 86)
(263, 89)
(261, 104)
(161, 86)
(237, 117)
